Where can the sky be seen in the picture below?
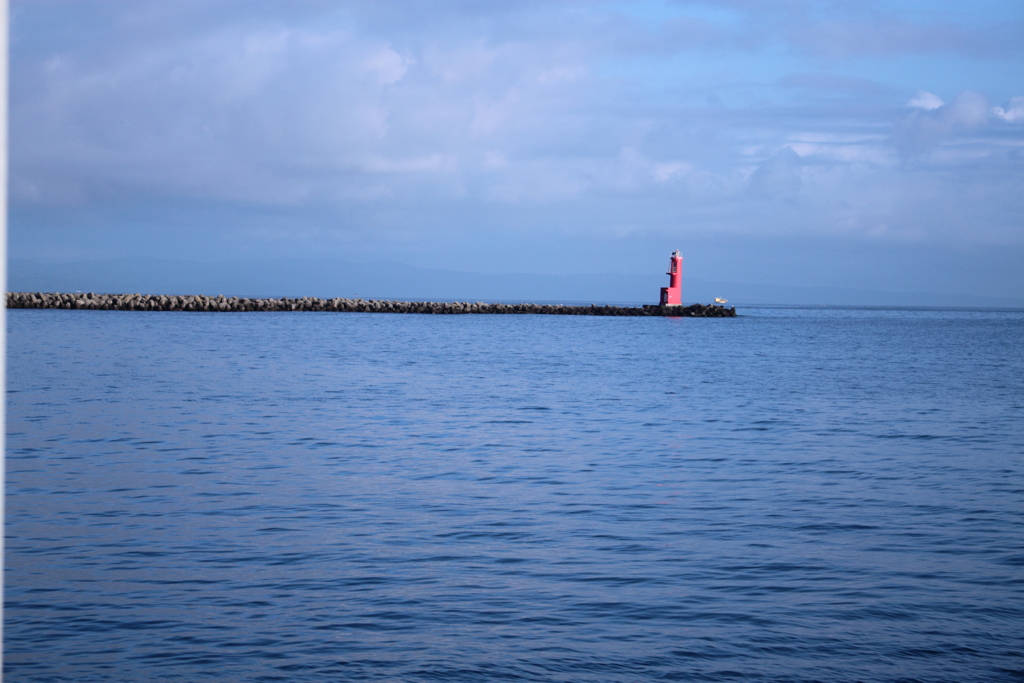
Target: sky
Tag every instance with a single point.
(874, 145)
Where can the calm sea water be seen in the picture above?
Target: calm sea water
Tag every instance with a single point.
(792, 495)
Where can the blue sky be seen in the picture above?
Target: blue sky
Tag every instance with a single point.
(877, 145)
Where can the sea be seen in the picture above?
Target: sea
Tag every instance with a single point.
(795, 494)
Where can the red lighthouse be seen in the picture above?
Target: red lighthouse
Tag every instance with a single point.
(673, 294)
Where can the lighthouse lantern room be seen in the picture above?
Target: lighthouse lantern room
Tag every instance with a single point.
(673, 294)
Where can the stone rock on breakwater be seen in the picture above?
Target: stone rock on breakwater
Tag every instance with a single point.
(154, 302)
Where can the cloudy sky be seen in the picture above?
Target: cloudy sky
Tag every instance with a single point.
(853, 143)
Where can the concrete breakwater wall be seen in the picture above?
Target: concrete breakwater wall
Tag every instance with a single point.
(153, 302)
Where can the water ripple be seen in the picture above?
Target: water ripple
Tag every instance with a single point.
(793, 495)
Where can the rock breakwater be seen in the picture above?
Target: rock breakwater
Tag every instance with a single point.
(162, 302)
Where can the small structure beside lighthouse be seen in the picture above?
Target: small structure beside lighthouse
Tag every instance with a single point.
(673, 294)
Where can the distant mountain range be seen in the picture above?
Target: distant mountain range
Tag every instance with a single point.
(382, 280)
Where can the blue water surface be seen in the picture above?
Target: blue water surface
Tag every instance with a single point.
(790, 495)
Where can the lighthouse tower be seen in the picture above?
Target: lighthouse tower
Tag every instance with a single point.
(673, 294)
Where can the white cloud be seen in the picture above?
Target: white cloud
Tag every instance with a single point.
(1012, 113)
(925, 100)
(387, 65)
(924, 129)
(778, 177)
(669, 170)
